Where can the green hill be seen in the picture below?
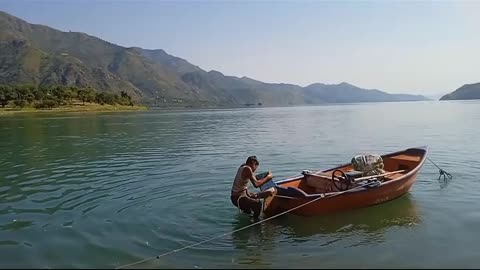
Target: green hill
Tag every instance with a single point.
(43, 56)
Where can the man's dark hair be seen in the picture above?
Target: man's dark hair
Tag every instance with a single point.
(253, 159)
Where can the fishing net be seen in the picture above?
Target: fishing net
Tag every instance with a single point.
(369, 164)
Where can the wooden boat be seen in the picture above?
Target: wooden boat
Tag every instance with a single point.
(341, 188)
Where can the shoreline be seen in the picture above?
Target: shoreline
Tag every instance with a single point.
(221, 107)
(74, 108)
(95, 107)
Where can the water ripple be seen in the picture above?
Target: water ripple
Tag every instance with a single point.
(103, 190)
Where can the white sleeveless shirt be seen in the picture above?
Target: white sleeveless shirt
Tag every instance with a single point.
(239, 184)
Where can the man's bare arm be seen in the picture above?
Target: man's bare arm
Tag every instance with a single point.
(257, 182)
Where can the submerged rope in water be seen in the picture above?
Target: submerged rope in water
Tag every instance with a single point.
(243, 228)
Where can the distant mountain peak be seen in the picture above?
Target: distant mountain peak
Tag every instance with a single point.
(345, 84)
(216, 73)
(332, 86)
(316, 85)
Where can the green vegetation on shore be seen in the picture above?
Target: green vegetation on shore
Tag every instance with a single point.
(79, 107)
(28, 98)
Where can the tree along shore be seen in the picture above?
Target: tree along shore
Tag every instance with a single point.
(68, 98)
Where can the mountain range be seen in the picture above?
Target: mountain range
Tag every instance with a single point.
(40, 55)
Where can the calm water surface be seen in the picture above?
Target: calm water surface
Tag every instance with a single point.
(104, 190)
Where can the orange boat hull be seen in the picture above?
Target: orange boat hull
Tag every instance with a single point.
(391, 188)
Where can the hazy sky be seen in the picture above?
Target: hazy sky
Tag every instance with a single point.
(424, 47)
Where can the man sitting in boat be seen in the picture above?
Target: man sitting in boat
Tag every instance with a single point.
(250, 202)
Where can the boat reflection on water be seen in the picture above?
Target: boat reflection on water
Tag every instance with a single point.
(370, 223)
(376, 219)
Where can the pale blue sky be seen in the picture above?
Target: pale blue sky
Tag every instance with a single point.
(424, 47)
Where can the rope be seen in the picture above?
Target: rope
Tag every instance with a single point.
(243, 228)
(433, 163)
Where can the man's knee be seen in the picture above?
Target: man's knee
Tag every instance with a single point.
(267, 193)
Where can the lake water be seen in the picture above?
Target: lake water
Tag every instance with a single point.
(104, 190)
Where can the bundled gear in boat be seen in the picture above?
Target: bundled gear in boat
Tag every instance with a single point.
(369, 164)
